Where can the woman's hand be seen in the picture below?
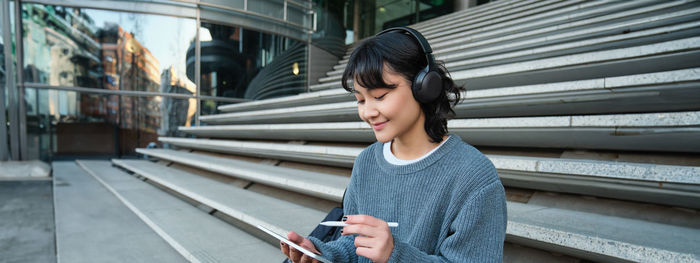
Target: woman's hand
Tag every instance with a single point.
(295, 255)
(374, 241)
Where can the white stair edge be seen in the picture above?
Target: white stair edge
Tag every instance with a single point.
(330, 187)
(226, 193)
(190, 250)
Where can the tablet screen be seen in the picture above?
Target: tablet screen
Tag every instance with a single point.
(297, 247)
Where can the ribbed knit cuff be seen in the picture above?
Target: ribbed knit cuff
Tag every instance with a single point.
(396, 252)
(333, 251)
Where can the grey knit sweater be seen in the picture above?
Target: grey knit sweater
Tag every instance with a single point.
(450, 206)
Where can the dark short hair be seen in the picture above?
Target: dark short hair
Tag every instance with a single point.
(403, 55)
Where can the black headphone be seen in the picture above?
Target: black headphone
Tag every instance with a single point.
(427, 85)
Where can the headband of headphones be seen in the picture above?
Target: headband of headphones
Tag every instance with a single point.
(418, 36)
(427, 84)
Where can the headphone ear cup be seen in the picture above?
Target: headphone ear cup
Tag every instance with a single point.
(417, 86)
(427, 86)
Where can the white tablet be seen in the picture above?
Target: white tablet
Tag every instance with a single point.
(297, 247)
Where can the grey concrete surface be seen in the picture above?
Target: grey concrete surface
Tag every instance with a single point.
(26, 222)
(665, 131)
(325, 96)
(503, 49)
(341, 156)
(92, 225)
(326, 186)
(458, 72)
(600, 237)
(634, 93)
(196, 235)
(24, 170)
(248, 207)
(515, 13)
(655, 183)
(555, 229)
(637, 92)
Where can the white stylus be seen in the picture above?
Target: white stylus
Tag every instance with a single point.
(341, 223)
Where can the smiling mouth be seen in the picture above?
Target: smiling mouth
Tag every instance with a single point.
(379, 125)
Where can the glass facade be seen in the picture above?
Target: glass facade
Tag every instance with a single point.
(3, 114)
(103, 49)
(102, 80)
(242, 63)
(362, 19)
(69, 123)
(6, 83)
(122, 75)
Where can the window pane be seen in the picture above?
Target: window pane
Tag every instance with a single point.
(297, 15)
(68, 123)
(271, 8)
(242, 63)
(2, 64)
(102, 49)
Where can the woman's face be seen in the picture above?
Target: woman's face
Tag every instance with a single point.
(390, 112)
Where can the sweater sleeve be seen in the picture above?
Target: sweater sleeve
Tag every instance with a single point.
(343, 248)
(476, 234)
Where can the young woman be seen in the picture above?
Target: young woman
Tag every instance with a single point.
(445, 195)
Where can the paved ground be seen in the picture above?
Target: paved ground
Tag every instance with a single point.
(26, 221)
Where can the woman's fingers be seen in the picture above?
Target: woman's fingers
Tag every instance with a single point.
(294, 237)
(295, 255)
(364, 220)
(358, 229)
(284, 248)
(374, 240)
(307, 259)
(364, 242)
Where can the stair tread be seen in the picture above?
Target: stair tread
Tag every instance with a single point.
(197, 235)
(93, 225)
(318, 184)
(249, 207)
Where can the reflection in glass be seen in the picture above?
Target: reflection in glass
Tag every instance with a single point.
(104, 49)
(241, 63)
(362, 19)
(2, 65)
(269, 8)
(61, 123)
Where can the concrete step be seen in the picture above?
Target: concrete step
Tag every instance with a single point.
(511, 251)
(663, 131)
(596, 64)
(196, 235)
(611, 25)
(583, 14)
(514, 253)
(523, 10)
(556, 229)
(247, 208)
(511, 11)
(516, 32)
(321, 185)
(472, 12)
(654, 183)
(322, 86)
(92, 225)
(599, 237)
(325, 96)
(660, 91)
(522, 45)
(340, 156)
